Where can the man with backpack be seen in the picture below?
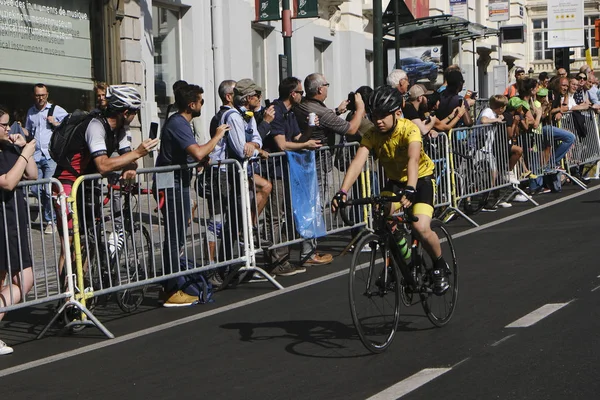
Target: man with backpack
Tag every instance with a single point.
(42, 119)
(84, 143)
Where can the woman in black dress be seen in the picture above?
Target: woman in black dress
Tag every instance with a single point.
(16, 163)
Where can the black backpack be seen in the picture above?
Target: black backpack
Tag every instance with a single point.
(68, 138)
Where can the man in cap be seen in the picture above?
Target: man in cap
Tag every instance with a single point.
(416, 108)
(244, 141)
(513, 89)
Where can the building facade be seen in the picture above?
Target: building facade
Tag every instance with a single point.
(69, 44)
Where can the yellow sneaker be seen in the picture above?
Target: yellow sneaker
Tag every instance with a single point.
(181, 299)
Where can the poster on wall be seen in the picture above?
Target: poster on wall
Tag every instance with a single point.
(422, 64)
(565, 23)
(50, 37)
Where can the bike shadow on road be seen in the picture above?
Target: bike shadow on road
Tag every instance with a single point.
(310, 338)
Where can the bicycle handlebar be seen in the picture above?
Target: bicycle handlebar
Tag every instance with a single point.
(134, 189)
(379, 200)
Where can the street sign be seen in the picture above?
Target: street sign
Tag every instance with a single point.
(565, 23)
(459, 8)
(499, 10)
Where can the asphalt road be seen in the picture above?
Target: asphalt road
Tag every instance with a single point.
(258, 343)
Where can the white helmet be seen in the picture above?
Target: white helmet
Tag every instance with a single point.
(122, 97)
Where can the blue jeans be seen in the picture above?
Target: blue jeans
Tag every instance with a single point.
(566, 138)
(176, 212)
(46, 168)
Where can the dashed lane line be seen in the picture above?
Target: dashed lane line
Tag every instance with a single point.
(409, 384)
(537, 315)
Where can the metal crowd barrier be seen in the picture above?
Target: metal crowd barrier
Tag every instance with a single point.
(479, 163)
(39, 252)
(586, 149)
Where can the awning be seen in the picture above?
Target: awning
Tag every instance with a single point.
(437, 27)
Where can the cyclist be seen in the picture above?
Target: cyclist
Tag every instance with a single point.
(106, 133)
(398, 144)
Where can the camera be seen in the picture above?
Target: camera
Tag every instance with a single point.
(351, 103)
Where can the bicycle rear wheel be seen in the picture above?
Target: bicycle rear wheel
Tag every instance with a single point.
(374, 300)
(136, 258)
(439, 309)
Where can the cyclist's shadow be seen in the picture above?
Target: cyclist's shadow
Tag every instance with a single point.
(308, 338)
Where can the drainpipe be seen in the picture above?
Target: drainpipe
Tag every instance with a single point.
(217, 46)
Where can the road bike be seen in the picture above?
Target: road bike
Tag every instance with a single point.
(382, 276)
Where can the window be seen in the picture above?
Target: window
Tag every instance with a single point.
(540, 40)
(259, 56)
(369, 67)
(589, 32)
(322, 56)
(167, 54)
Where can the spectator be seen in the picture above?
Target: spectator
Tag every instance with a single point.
(513, 89)
(100, 92)
(575, 99)
(562, 139)
(263, 117)
(453, 110)
(365, 124)
(586, 69)
(591, 87)
(581, 95)
(398, 79)
(543, 79)
(416, 108)
(561, 73)
(172, 108)
(284, 136)
(516, 121)
(180, 147)
(19, 122)
(15, 256)
(330, 124)
(42, 118)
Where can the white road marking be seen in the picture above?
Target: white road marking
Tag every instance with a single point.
(158, 328)
(504, 339)
(596, 288)
(537, 315)
(409, 384)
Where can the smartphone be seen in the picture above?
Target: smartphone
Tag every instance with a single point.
(153, 130)
(267, 103)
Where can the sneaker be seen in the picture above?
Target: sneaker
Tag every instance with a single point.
(115, 242)
(512, 178)
(300, 269)
(262, 242)
(504, 204)
(215, 280)
(367, 248)
(440, 281)
(489, 209)
(284, 269)
(521, 198)
(5, 349)
(257, 277)
(318, 259)
(50, 229)
(181, 299)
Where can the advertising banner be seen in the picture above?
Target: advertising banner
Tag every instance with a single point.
(306, 8)
(267, 10)
(565, 23)
(418, 8)
(459, 8)
(499, 10)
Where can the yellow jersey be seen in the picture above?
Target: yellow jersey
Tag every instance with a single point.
(392, 150)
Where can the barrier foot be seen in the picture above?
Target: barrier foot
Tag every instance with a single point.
(460, 213)
(264, 274)
(576, 181)
(92, 320)
(528, 197)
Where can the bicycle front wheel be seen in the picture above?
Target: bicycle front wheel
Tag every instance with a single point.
(136, 258)
(440, 308)
(374, 298)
